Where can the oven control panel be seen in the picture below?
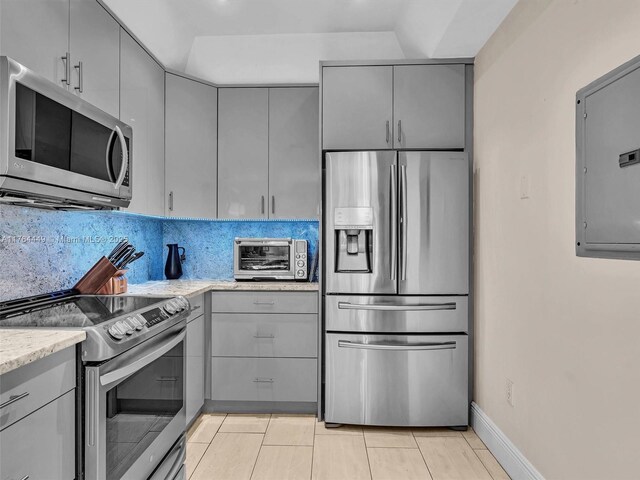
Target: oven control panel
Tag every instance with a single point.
(135, 323)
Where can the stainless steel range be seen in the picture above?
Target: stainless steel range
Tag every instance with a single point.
(131, 378)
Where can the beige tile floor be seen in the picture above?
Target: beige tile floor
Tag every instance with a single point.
(281, 447)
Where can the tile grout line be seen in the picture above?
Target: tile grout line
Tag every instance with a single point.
(422, 455)
(366, 451)
(313, 447)
(255, 462)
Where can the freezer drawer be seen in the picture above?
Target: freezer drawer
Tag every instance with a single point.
(397, 380)
(396, 314)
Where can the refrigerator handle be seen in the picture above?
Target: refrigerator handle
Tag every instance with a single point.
(394, 224)
(403, 221)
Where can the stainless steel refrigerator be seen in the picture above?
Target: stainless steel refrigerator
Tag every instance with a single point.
(396, 284)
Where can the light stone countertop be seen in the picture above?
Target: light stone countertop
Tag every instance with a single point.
(20, 347)
(190, 288)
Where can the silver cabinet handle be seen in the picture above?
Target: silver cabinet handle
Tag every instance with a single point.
(398, 346)
(403, 221)
(399, 132)
(273, 204)
(257, 302)
(264, 336)
(262, 205)
(78, 67)
(167, 379)
(14, 399)
(26, 477)
(171, 201)
(394, 223)
(391, 307)
(387, 131)
(125, 158)
(66, 60)
(263, 380)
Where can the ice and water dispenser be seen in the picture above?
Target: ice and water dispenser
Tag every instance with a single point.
(354, 239)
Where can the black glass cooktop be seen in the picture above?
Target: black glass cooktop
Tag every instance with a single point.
(74, 311)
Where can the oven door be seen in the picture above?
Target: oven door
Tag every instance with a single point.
(271, 258)
(135, 408)
(55, 138)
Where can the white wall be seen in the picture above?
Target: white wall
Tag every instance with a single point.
(565, 330)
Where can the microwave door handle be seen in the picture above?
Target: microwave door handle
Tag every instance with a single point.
(140, 362)
(107, 158)
(125, 158)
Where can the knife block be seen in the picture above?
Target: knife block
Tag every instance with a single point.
(97, 277)
(115, 285)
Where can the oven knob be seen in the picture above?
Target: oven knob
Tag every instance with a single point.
(141, 321)
(132, 323)
(125, 327)
(115, 332)
(169, 308)
(300, 263)
(300, 273)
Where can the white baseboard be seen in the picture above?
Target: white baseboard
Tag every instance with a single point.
(511, 459)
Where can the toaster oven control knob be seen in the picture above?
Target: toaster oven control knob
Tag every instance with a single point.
(300, 273)
(300, 263)
(115, 332)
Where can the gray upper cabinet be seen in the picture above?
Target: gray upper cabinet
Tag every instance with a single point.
(94, 43)
(294, 173)
(142, 107)
(357, 107)
(191, 146)
(243, 152)
(36, 34)
(428, 106)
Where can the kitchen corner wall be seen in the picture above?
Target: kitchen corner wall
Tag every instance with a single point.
(42, 251)
(564, 329)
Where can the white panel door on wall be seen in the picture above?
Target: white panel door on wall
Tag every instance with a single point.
(243, 152)
(35, 33)
(191, 148)
(142, 107)
(94, 42)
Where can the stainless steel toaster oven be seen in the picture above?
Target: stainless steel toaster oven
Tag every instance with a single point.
(270, 259)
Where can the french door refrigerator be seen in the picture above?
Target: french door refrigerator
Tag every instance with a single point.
(396, 236)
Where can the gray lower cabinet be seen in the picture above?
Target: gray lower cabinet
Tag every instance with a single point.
(37, 419)
(36, 34)
(94, 43)
(142, 107)
(357, 107)
(195, 367)
(243, 152)
(191, 148)
(264, 351)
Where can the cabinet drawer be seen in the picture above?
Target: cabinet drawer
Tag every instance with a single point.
(264, 335)
(398, 314)
(264, 302)
(41, 445)
(41, 381)
(264, 379)
(197, 307)
(401, 380)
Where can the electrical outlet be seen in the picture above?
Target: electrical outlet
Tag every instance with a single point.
(509, 392)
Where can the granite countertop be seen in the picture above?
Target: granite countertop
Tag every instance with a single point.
(20, 347)
(190, 288)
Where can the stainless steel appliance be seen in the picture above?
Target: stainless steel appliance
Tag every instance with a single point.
(396, 236)
(270, 259)
(131, 368)
(57, 150)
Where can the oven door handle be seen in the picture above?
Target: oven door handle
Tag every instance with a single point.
(141, 362)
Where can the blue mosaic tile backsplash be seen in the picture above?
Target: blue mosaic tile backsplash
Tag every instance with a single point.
(43, 251)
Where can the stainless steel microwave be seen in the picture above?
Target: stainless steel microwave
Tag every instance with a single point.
(56, 149)
(270, 259)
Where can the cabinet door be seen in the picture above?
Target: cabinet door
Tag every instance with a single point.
(243, 152)
(428, 106)
(190, 125)
(94, 40)
(142, 107)
(357, 105)
(294, 171)
(195, 368)
(35, 33)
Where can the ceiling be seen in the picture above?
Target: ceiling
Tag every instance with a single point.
(282, 41)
